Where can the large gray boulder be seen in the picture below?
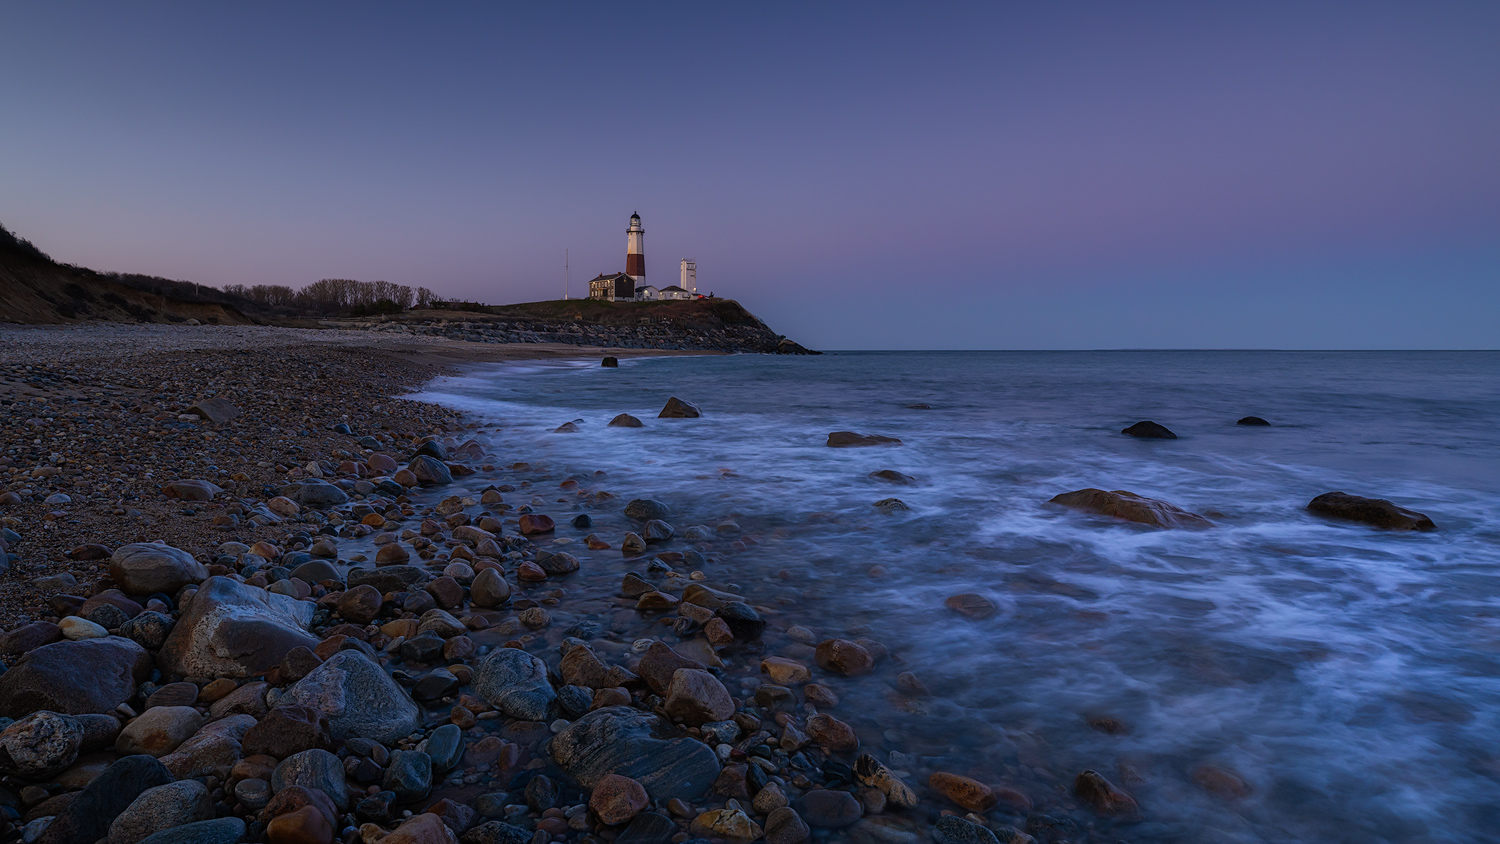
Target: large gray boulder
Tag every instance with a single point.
(74, 677)
(231, 629)
(358, 698)
(621, 740)
(142, 568)
(314, 493)
(515, 682)
(216, 831)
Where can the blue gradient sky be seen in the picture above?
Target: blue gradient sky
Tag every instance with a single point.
(862, 175)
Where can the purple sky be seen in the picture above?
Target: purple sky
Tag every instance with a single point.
(1289, 175)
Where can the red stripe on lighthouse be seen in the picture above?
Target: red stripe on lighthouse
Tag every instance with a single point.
(635, 264)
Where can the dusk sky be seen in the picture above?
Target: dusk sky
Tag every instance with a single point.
(989, 176)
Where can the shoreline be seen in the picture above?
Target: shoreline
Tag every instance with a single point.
(666, 717)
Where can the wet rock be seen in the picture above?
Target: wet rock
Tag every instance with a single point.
(40, 745)
(142, 568)
(618, 799)
(87, 818)
(430, 471)
(952, 829)
(832, 734)
(625, 420)
(231, 629)
(408, 776)
(1221, 783)
(842, 656)
(966, 792)
(820, 696)
(1253, 421)
(621, 740)
(785, 672)
(785, 826)
(658, 665)
(159, 730)
(557, 564)
(610, 361)
(163, 807)
(74, 678)
(972, 605)
(313, 769)
(869, 771)
(646, 509)
(393, 554)
(697, 697)
(432, 448)
(849, 439)
(676, 408)
(891, 506)
(286, 730)
(515, 682)
(1122, 504)
(317, 571)
(828, 809)
(1149, 430)
(894, 477)
(541, 793)
(217, 831)
(727, 824)
(1371, 511)
(1103, 797)
(445, 747)
(357, 697)
(489, 589)
(743, 621)
(535, 523)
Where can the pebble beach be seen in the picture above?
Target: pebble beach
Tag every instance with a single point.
(254, 595)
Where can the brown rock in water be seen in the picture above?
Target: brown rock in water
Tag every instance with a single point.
(617, 799)
(832, 733)
(968, 793)
(820, 696)
(697, 697)
(728, 824)
(625, 420)
(891, 506)
(392, 554)
(785, 672)
(842, 656)
(849, 439)
(633, 545)
(535, 523)
(972, 605)
(658, 665)
(1221, 783)
(1103, 797)
(1149, 430)
(892, 476)
(678, 409)
(1371, 511)
(1131, 507)
(869, 771)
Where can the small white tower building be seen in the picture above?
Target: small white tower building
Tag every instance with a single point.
(689, 280)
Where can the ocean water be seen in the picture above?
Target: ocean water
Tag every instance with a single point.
(1349, 677)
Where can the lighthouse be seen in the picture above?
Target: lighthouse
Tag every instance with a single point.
(635, 250)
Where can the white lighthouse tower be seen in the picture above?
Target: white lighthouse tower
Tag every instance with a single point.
(635, 251)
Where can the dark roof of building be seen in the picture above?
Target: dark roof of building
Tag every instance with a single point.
(674, 288)
(609, 276)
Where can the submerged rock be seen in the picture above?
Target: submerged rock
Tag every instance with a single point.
(1254, 421)
(1122, 504)
(678, 409)
(1103, 797)
(625, 420)
(1371, 511)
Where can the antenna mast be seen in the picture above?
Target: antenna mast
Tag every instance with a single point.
(565, 275)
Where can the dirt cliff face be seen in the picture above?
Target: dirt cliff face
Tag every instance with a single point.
(37, 291)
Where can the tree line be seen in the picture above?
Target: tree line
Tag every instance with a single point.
(337, 295)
